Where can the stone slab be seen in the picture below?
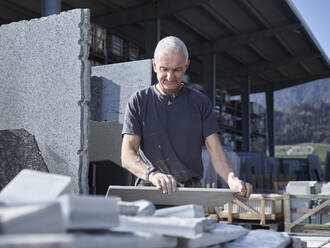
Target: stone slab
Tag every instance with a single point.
(34, 186)
(105, 141)
(261, 239)
(171, 226)
(89, 212)
(85, 240)
(221, 234)
(112, 85)
(45, 88)
(184, 211)
(36, 218)
(127, 208)
(18, 150)
(200, 196)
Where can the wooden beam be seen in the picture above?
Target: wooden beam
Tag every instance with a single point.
(145, 12)
(201, 196)
(224, 44)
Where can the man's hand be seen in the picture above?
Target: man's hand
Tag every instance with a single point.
(245, 189)
(164, 182)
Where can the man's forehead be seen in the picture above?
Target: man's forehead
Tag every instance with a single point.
(175, 59)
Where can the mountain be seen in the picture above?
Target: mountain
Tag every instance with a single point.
(308, 122)
(306, 93)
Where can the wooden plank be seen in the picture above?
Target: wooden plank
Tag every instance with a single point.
(287, 212)
(262, 214)
(312, 211)
(249, 216)
(246, 207)
(201, 196)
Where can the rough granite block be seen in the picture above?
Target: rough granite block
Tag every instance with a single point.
(84, 240)
(261, 239)
(89, 212)
(171, 226)
(36, 218)
(34, 186)
(18, 150)
(112, 85)
(45, 88)
(221, 234)
(184, 211)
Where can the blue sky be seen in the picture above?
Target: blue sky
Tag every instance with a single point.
(316, 14)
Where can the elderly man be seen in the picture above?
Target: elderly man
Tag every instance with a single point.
(165, 126)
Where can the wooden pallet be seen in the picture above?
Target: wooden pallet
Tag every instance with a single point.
(253, 214)
(298, 225)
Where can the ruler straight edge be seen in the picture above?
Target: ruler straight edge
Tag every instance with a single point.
(200, 196)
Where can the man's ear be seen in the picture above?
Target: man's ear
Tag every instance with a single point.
(154, 66)
(187, 64)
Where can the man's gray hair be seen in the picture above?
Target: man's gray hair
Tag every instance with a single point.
(171, 44)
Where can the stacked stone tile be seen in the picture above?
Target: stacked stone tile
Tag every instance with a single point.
(56, 218)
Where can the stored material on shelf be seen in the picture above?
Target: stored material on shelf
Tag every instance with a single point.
(202, 196)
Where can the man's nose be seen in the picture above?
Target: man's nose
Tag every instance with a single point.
(170, 76)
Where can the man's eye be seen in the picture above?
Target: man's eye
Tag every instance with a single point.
(163, 69)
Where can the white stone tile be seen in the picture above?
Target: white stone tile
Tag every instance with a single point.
(184, 211)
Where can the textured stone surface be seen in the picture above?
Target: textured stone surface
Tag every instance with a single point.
(36, 218)
(89, 212)
(112, 85)
(221, 234)
(45, 88)
(105, 141)
(261, 239)
(171, 226)
(34, 186)
(83, 240)
(18, 150)
(184, 211)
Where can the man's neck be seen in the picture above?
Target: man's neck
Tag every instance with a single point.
(172, 93)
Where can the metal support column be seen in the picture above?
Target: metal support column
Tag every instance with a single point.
(151, 37)
(209, 76)
(270, 122)
(50, 7)
(245, 98)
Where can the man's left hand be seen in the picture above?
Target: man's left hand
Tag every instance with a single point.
(245, 189)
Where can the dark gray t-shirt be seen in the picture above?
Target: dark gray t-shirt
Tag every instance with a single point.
(172, 130)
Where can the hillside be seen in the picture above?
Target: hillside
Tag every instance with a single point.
(308, 122)
(306, 93)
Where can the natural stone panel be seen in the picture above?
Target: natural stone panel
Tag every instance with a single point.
(34, 186)
(105, 141)
(184, 211)
(171, 226)
(221, 234)
(89, 212)
(18, 150)
(261, 239)
(36, 218)
(201, 196)
(45, 88)
(83, 240)
(112, 85)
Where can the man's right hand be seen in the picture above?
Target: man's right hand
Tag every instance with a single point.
(164, 182)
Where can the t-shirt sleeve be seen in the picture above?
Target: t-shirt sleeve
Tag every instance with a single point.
(209, 120)
(132, 121)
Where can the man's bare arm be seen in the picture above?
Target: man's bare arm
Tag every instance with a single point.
(134, 163)
(224, 168)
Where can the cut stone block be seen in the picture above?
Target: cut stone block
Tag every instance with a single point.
(34, 186)
(18, 150)
(105, 141)
(112, 85)
(36, 218)
(200, 196)
(45, 88)
(83, 240)
(89, 212)
(171, 226)
(261, 239)
(137, 208)
(128, 208)
(221, 234)
(184, 211)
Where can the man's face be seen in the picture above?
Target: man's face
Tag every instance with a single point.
(170, 68)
